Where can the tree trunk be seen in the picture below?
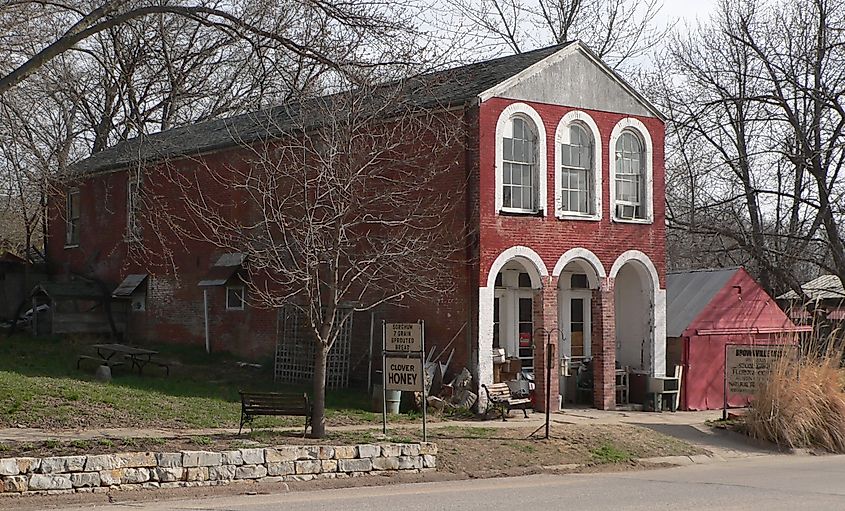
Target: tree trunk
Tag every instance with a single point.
(318, 414)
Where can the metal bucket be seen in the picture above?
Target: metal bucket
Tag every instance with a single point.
(393, 397)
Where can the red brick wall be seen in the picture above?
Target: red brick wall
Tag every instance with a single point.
(549, 236)
(174, 307)
(174, 301)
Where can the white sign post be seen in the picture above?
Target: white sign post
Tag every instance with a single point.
(403, 363)
(747, 366)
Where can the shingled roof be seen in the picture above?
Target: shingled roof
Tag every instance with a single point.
(441, 89)
(826, 287)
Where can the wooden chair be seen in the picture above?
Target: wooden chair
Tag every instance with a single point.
(622, 386)
(672, 388)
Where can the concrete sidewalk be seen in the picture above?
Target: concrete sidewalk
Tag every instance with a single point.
(536, 419)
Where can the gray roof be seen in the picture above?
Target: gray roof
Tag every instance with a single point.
(129, 285)
(68, 290)
(441, 89)
(688, 293)
(826, 287)
(224, 269)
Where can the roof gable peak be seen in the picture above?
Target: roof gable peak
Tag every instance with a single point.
(515, 85)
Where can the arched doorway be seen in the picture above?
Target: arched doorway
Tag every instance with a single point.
(513, 312)
(634, 297)
(502, 302)
(579, 274)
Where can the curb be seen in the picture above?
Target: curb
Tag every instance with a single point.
(696, 459)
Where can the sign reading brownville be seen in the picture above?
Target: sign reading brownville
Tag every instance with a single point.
(748, 366)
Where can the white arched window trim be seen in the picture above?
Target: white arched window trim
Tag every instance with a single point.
(521, 109)
(636, 126)
(586, 121)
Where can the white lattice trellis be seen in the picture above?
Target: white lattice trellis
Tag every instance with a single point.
(295, 350)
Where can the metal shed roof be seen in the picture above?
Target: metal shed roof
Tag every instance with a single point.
(688, 293)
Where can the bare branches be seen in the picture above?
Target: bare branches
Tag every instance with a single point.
(757, 137)
(345, 203)
(619, 31)
(256, 25)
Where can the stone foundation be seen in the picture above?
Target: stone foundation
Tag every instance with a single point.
(143, 470)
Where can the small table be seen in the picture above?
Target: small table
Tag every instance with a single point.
(138, 357)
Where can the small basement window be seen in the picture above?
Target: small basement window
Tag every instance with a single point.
(234, 298)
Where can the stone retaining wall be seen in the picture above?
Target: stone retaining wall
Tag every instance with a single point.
(104, 472)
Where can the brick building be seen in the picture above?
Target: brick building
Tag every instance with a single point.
(565, 169)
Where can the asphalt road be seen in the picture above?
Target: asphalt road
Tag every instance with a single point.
(768, 483)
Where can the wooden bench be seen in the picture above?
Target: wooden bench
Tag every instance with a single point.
(499, 396)
(254, 404)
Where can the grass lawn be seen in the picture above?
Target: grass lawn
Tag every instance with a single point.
(41, 387)
(472, 451)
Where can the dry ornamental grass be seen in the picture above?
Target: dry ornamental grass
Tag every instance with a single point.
(803, 403)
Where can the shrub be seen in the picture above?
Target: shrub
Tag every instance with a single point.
(802, 404)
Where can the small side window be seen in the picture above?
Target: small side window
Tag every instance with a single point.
(72, 210)
(133, 206)
(235, 298)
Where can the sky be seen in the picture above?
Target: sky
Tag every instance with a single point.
(687, 10)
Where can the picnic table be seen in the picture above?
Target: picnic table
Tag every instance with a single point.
(114, 354)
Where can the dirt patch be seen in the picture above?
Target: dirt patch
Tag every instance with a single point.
(480, 451)
(475, 451)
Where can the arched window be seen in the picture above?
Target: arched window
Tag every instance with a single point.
(630, 177)
(578, 164)
(577, 172)
(520, 172)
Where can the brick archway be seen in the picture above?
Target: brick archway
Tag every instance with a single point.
(543, 292)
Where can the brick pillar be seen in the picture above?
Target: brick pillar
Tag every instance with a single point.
(545, 317)
(604, 346)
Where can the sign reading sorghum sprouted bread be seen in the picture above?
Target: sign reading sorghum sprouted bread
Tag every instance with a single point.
(405, 337)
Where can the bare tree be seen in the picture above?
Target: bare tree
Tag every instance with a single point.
(136, 75)
(619, 31)
(36, 138)
(281, 24)
(346, 205)
(756, 142)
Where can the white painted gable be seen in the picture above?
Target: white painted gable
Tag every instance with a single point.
(574, 77)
